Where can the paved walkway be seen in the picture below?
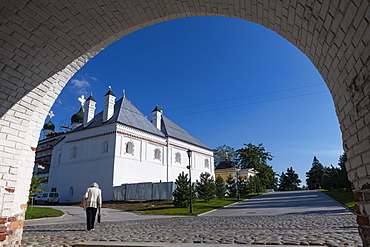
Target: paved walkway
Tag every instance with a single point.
(328, 227)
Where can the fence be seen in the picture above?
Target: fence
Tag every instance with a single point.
(143, 191)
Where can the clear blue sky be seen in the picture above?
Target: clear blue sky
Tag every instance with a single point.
(225, 81)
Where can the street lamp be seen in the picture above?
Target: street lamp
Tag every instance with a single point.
(191, 190)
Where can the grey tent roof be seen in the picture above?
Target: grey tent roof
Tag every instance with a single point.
(171, 129)
(126, 113)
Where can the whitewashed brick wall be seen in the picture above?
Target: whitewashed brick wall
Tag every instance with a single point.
(44, 43)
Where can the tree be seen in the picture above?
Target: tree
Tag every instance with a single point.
(330, 178)
(254, 184)
(256, 157)
(231, 186)
(181, 193)
(289, 180)
(314, 175)
(336, 177)
(242, 187)
(224, 153)
(343, 174)
(36, 182)
(205, 186)
(220, 187)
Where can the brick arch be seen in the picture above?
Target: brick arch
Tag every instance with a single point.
(44, 43)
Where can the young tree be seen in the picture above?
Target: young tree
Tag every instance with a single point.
(181, 193)
(256, 157)
(220, 187)
(314, 175)
(205, 186)
(254, 184)
(224, 153)
(242, 187)
(36, 182)
(231, 186)
(289, 180)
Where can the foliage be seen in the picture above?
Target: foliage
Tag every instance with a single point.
(224, 153)
(252, 156)
(231, 186)
(220, 189)
(289, 180)
(42, 212)
(205, 187)
(256, 157)
(182, 192)
(314, 175)
(343, 174)
(254, 185)
(242, 187)
(36, 182)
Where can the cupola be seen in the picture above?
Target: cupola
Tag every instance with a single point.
(77, 118)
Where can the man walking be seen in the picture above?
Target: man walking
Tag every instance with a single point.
(93, 203)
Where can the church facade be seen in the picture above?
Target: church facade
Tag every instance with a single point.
(120, 146)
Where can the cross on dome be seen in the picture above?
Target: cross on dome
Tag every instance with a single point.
(82, 100)
(51, 115)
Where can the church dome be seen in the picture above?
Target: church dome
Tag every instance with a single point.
(78, 117)
(49, 126)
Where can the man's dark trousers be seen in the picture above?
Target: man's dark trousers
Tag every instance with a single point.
(90, 217)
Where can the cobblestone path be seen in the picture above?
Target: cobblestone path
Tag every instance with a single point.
(329, 230)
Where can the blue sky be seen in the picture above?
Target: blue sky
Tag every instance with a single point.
(225, 81)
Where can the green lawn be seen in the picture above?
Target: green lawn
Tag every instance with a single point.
(167, 207)
(343, 197)
(41, 212)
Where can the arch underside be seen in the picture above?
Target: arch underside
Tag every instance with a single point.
(44, 43)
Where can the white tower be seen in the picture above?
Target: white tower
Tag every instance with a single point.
(89, 110)
(109, 101)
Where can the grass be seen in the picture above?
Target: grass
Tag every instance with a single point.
(343, 197)
(167, 207)
(41, 212)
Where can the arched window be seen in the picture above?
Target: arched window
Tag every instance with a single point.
(129, 148)
(206, 163)
(59, 158)
(157, 154)
(105, 147)
(71, 191)
(74, 152)
(178, 158)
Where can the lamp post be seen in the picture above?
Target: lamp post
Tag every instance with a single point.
(191, 189)
(237, 184)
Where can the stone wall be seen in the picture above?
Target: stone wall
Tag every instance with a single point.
(43, 43)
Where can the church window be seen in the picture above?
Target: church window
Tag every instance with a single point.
(74, 152)
(178, 158)
(59, 158)
(206, 163)
(157, 154)
(71, 191)
(105, 147)
(129, 148)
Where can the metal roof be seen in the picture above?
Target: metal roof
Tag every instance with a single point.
(126, 113)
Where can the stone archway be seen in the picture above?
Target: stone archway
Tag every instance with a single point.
(43, 43)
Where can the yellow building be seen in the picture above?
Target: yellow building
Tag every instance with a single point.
(227, 168)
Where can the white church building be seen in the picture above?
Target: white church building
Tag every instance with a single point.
(121, 146)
